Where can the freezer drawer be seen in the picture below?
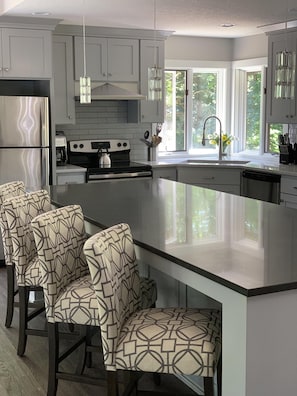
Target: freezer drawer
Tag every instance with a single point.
(31, 165)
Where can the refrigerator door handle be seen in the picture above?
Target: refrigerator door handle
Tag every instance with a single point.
(45, 168)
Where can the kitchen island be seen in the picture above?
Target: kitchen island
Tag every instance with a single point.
(238, 251)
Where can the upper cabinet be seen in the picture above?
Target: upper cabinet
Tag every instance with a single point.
(281, 77)
(151, 52)
(63, 79)
(107, 59)
(25, 53)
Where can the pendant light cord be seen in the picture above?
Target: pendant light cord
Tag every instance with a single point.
(84, 46)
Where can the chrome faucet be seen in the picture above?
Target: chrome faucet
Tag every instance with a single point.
(220, 135)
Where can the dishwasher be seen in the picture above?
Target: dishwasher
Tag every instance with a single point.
(260, 185)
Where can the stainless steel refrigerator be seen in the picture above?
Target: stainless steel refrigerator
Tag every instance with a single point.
(24, 141)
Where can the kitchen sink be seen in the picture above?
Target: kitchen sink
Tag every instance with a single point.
(214, 161)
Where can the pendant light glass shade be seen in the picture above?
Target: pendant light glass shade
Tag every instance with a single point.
(84, 81)
(85, 89)
(155, 82)
(155, 73)
(284, 84)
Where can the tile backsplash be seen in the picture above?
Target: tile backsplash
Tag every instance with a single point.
(107, 120)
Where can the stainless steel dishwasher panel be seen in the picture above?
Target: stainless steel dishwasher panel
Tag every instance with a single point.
(260, 185)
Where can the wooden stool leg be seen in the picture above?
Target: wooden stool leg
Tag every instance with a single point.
(112, 384)
(23, 315)
(53, 346)
(10, 295)
(208, 386)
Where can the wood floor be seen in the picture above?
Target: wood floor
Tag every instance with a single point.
(27, 376)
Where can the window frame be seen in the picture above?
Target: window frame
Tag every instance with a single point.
(240, 70)
(224, 98)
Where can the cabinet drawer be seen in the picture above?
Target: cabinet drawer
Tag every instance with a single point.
(198, 175)
(289, 185)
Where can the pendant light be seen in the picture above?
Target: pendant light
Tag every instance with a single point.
(155, 73)
(285, 64)
(84, 81)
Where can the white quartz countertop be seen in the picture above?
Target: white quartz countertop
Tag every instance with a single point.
(268, 164)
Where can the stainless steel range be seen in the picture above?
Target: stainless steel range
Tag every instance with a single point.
(90, 154)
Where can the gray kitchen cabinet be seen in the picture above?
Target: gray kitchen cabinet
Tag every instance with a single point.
(288, 192)
(63, 79)
(280, 109)
(73, 176)
(165, 172)
(25, 53)
(220, 179)
(107, 59)
(151, 51)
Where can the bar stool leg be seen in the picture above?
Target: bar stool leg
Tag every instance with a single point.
(10, 294)
(23, 315)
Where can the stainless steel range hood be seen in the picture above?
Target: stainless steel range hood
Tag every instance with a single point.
(110, 91)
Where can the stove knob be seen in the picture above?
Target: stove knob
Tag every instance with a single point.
(125, 144)
(119, 144)
(81, 146)
(75, 146)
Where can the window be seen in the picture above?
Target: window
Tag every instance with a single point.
(191, 96)
(254, 136)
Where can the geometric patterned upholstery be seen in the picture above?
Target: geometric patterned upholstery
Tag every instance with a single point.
(59, 237)
(68, 290)
(164, 340)
(19, 211)
(8, 190)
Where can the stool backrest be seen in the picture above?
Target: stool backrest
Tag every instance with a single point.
(8, 190)
(19, 212)
(112, 262)
(59, 237)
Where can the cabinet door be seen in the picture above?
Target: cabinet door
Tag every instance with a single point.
(63, 80)
(123, 60)
(96, 58)
(26, 53)
(280, 110)
(151, 52)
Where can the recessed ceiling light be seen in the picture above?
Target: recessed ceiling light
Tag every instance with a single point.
(41, 13)
(227, 25)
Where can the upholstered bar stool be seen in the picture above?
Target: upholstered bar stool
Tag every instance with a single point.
(9, 190)
(164, 340)
(68, 290)
(19, 211)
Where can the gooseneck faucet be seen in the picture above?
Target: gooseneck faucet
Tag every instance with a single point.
(220, 135)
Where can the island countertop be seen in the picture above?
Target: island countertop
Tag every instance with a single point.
(244, 244)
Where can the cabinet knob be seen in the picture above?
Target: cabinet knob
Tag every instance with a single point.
(6, 69)
(104, 74)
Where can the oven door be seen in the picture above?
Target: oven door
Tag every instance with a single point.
(103, 177)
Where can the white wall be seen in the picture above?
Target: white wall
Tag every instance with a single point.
(198, 48)
(250, 47)
(215, 49)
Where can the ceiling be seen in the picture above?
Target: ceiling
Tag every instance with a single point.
(184, 17)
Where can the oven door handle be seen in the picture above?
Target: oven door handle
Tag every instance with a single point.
(127, 175)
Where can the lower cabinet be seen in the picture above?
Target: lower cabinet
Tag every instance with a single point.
(223, 179)
(288, 196)
(73, 177)
(165, 172)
